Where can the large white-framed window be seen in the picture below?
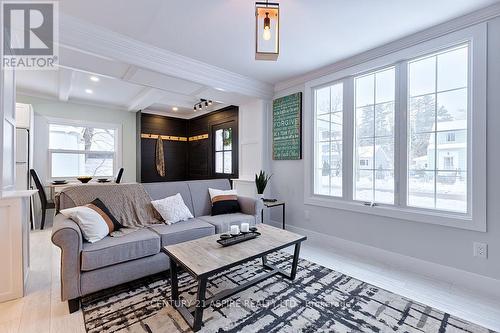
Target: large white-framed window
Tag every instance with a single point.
(78, 148)
(413, 133)
(328, 139)
(375, 95)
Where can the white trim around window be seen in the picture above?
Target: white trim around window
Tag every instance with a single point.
(475, 218)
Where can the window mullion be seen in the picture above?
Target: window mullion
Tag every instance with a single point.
(348, 180)
(401, 135)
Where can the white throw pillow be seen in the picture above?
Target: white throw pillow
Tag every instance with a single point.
(172, 209)
(91, 224)
(215, 192)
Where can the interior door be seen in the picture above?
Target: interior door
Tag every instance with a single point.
(225, 150)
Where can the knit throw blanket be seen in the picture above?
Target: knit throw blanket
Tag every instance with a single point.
(130, 204)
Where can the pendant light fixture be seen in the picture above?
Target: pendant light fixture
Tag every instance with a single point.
(266, 31)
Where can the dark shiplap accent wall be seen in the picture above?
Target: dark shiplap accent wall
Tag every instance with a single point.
(184, 160)
(175, 151)
(201, 152)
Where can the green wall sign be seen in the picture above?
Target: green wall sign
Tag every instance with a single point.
(287, 127)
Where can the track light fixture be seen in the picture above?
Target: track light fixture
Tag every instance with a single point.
(202, 103)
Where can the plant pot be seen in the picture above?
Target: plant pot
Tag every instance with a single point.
(259, 196)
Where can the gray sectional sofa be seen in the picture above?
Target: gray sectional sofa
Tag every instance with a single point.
(90, 267)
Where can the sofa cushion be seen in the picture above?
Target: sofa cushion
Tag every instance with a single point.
(166, 189)
(113, 250)
(199, 193)
(223, 222)
(183, 231)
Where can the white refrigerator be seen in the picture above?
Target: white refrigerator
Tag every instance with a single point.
(22, 158)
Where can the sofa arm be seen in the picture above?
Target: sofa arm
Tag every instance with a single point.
(67, 236)
(251, 206)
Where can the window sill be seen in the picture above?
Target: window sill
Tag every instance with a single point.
(407, 214)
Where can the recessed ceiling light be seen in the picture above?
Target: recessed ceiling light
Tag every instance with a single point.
(175, 108)
(88, 91)
(94, 78)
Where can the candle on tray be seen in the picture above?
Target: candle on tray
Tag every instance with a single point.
(245, 227)
(235, 230)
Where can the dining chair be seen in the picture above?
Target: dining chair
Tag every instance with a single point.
(45, 203)
(118, 178)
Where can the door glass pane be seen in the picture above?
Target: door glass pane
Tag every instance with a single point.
(228, 162)
(218, 139)
(218, 162)
(228, 138)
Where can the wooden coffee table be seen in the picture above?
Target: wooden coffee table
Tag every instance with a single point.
(204, 257)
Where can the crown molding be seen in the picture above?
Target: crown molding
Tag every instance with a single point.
(473, 18)
(84, 36)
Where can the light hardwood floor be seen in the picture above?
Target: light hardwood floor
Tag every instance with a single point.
(42, 311)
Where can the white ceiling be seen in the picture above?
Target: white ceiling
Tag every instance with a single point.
(220, 33)
(70, 84)
(314, 33)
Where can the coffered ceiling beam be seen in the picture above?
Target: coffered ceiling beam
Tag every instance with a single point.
(146, 98)
(65, 83)
(90, 38)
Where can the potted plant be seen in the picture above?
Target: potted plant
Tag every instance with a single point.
(261, 180)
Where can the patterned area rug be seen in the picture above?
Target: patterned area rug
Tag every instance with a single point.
(319, 300)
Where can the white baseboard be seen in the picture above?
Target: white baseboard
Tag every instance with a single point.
(476, 283)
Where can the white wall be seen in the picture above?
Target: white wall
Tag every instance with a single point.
(253, 145)
(438, 244)
(44, 108)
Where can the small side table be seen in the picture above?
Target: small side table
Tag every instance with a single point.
(269, 204)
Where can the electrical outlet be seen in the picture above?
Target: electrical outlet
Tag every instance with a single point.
(306, 215)
(481, 250)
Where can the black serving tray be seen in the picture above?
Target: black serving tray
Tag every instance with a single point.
(238, 238)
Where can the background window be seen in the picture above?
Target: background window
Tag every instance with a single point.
(79, 150)
(374, 137)
(437, 131)
(328, 143)
(224, 151)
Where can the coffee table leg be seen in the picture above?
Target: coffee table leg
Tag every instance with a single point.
(295, 261)
(200, 303)
(174, 281)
